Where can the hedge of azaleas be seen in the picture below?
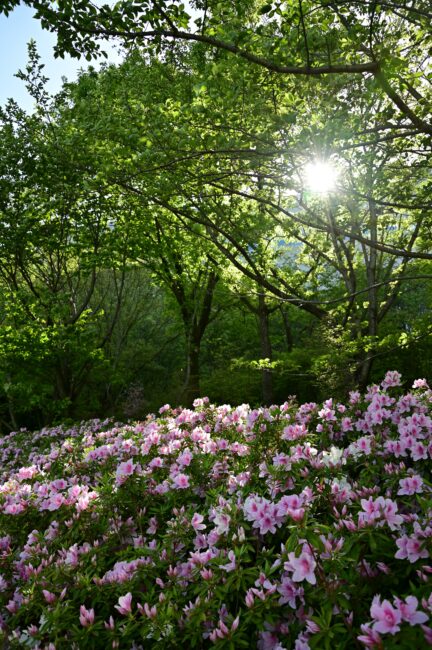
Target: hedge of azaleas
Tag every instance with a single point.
(281, 527)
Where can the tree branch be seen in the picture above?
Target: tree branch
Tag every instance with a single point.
(343, 68)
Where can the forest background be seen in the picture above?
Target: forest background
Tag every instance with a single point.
(158, 237)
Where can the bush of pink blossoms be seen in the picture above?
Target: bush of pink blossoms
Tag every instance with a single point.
(284, 527)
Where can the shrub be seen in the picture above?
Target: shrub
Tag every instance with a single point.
(284, 527)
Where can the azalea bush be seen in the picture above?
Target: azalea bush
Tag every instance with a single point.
(283, 527)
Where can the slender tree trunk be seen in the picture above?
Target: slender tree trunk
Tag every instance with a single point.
(10, 405)
(365, 365)
(63, 387)
(60, 390)
(12, 415)
(287, 329)
(192, 379)
(266, 350)
(195, 324)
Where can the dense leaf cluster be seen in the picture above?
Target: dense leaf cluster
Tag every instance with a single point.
(155, 217)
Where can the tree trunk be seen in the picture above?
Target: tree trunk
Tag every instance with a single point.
(192, 380)
(266, 350)
(365, 365)
(13, 419)
(195, 323)
(287, 329)
(63, 388)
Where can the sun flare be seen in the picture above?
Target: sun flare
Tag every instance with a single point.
(320, 177)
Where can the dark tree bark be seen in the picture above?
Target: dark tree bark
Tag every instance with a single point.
(192, 388)
(365, 365)
(196, 317)
(263, 314)
(287, 328)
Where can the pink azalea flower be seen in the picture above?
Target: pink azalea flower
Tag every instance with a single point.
(411, 485)
(289, 592)
(149, 612)
(185, 458)
(222, 523)
(251, 507)
(49, 597)
(268, 641)
(312, 627)
(408, 610)
(392, 378)
(294, 431)
(427, 631)
(196, 522)
(371, 512)
(27, 472)
(153, 526)
(59, 484)
(364, 445)
(109, 625)
(419, 451)
(303, 567)
(125, 604)
(420, 383)
(14, 508)
(231, 564)
(297, 515)
(156, 462)
(290, 502)
(12, 606)
(32, 630)
(386, 617)
(249, 599)
(390, 514)
(55, 502)
(301, 643)
(266, 523)
(370, 638)
(181, 481)
(376, 509)
(162, 488)
(86, 616)
(414, 549)
(82, 502)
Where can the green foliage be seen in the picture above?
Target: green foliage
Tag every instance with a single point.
(174, 182)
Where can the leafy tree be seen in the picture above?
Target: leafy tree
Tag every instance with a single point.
(231, 172)
(192, 152)
(55, 238)
(118, 142)
(389, 41)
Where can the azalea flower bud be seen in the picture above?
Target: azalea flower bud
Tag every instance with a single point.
(86, 616)
(312, 627)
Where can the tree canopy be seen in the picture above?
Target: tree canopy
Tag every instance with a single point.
(183, 168)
